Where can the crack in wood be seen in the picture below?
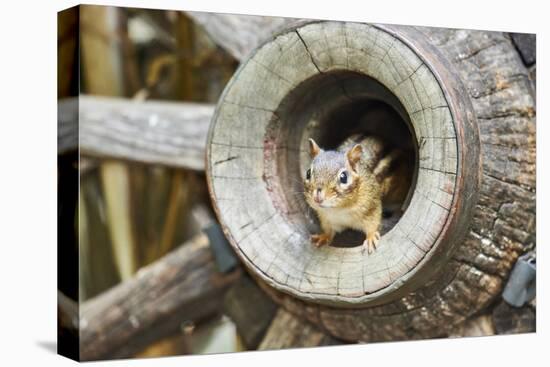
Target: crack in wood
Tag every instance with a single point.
(514, 112)
(510, 83)
(226, 160)
(254, 230)
(247, 106)
(433, 108)
(236, 145)
(476, 52)
(343, 31)
(272, 72)
(469, 267)
(238, 178)
(381, 60)
(513, 183)
(472, 264)
(308, 51)
(245, 225)
(437, 170)
(409, 78)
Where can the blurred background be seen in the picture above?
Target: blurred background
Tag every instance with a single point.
(132, 214)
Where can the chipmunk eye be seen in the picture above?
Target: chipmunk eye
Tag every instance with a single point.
(308, 174)
(344, 177)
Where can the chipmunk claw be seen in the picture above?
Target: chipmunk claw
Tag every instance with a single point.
(371, 242)
(320, 239)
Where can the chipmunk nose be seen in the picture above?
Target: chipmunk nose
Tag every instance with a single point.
(318, 197)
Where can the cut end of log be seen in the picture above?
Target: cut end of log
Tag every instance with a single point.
(327, 80)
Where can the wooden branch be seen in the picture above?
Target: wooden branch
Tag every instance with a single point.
(167, 133)
(240, 34)
(288, 331)
(183, 286)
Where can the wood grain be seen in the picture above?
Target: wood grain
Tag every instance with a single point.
(503, 224)
(167, 133)
(306, 84)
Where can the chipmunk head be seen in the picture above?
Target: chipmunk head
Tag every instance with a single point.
(332, 177)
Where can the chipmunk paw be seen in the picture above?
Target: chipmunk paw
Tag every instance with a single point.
(371, 241)
(320, 239)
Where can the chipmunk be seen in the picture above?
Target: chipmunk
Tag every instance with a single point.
(348, 187)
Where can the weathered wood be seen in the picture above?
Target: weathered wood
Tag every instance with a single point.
(477, 326)
(250, 309)
(239, 34)
(182, 286)
(288, 331)
(492, 196)
(511, 320)
(172, 134)
(306, 88)
(526, 43)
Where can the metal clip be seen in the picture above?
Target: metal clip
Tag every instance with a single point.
(224, 257)
(522, 284)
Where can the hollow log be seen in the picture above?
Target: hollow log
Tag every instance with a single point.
(288, 331)
(183, 286)
(465, 98)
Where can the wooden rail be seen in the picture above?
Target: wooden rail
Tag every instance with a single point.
(167, 133)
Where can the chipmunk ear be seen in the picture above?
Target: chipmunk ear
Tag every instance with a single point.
(354, 155)
(313, 148)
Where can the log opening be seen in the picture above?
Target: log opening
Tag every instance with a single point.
(295, 86)
(330, 107)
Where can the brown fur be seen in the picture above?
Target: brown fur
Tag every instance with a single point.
(375, 177)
